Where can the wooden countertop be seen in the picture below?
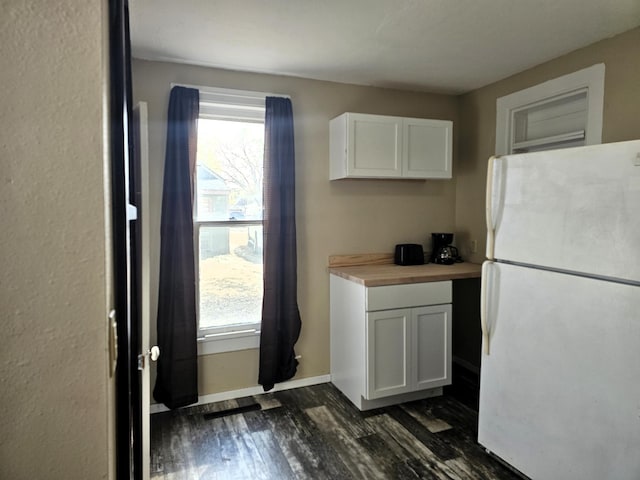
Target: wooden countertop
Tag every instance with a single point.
(390, 274)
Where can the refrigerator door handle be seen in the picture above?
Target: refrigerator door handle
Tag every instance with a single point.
(484, 289)
(489, 208)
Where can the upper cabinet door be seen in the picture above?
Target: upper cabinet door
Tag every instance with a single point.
(376, 149)
(365, 146)
(427, 148)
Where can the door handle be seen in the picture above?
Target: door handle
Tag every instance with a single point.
(154, 353)
(489, 209)
(484, 290)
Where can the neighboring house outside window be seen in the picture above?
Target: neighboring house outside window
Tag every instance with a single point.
(213, 200)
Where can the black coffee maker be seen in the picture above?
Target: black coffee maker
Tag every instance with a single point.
(442, 251)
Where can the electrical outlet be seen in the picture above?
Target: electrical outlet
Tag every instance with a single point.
(474, 246)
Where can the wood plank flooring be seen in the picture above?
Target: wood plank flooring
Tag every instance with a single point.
(315, 433)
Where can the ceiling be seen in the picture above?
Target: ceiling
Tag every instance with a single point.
(445, 46)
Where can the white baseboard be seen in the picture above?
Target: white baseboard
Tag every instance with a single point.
(247, 392)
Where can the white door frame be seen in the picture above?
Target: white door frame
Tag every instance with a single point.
(141, 112)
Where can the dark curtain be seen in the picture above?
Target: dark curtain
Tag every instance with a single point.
(280, 315)
(177, 379)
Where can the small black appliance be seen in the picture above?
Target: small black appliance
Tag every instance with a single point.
(409, 254)
(442, 251)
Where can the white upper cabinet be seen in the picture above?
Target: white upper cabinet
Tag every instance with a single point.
(378, 146)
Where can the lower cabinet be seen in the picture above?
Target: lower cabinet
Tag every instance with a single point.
(408, 350)
(390, 344)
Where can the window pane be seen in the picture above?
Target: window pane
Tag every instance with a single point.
(229, 170)
(230, 280)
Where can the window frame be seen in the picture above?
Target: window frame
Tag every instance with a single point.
(240, 106)
(590, 79)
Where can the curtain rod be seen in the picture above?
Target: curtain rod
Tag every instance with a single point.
(248, 93)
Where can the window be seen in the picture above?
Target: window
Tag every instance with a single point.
(228, 219)
(563, 112)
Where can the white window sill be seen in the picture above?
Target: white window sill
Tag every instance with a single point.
(229, 342)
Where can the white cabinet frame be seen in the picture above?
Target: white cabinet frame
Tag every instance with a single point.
(380, 146)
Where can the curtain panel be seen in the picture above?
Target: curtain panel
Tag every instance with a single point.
(280, 315)
(177, 374)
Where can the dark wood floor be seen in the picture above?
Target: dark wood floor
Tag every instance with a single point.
(315, 433)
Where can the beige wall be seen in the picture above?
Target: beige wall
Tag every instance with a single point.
(54, 409)
(477, 132)
(347, 216)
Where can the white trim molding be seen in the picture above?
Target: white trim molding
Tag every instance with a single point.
(590, 79)
(247, 392)
(228, 341)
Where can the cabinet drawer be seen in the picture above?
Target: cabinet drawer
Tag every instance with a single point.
(407, 295)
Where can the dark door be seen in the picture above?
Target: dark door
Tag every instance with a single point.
(128, 408)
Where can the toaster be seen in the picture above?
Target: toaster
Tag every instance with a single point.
(409, 254)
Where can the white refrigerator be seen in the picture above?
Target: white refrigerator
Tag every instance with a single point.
(560, 371)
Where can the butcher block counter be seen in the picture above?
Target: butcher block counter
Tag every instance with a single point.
(373, 270)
